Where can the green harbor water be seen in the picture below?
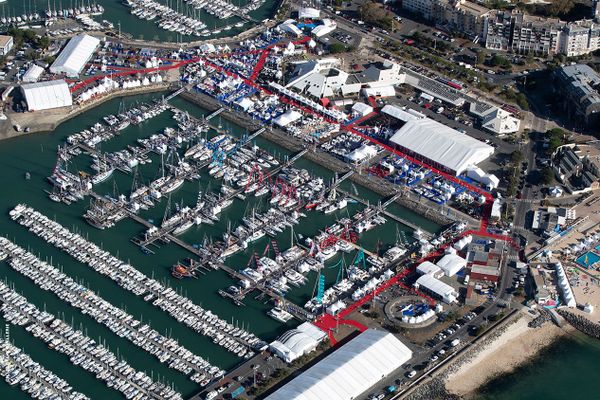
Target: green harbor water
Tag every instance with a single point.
(36, 154)
(115, 11)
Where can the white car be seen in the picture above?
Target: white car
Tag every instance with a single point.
(411, 374)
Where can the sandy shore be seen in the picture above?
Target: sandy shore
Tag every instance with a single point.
(516, 345)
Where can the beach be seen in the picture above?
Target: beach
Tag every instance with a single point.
(501, 354)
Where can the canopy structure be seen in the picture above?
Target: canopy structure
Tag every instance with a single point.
(297, 342)
(451, 264)
(47, 95)
(442, 145)
(287, 118)
(350, 370)
(33, 73)
(428, 283)
(75, 55)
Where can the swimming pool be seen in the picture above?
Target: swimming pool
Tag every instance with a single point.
(588, 259)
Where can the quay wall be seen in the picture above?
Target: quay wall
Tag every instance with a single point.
(422, 206)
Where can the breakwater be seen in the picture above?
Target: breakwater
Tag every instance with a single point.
(580, 323)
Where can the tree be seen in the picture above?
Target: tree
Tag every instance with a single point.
(337, 48)
(516, 157)
(561, 7)
(480, 57)
(500, 61)
(547, 175)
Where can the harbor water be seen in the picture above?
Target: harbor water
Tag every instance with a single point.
(116, 12)
(565, 370)
(36, 154)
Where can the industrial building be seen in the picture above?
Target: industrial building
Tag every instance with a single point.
(430, 285)
(47, 95)
(75, 55)
(295, 343)
(350, 370)
(440, 145)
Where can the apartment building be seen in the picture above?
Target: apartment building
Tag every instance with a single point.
(509, 30)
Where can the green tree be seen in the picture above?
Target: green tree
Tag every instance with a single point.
(547, 175)
(516, 157)
(337, 48)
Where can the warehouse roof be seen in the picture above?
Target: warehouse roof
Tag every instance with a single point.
(441, 144)
(46, 95)
(75, 54)
(348, 371)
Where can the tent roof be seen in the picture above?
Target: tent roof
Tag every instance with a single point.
(349, 370)
(441, 144)
(46, 95)
(287, 118)
(75, 54)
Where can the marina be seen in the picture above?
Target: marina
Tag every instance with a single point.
(298, 284)
(18, 368)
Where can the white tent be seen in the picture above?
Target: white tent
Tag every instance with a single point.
(362, 153)
(308, 12)
(400, 114)
(75, 55)
(287, 118)
(361, 109)
(441, 144)
(429, 268)
(436, 287)
(348, 371)
(47, 95)
(33, 73)
(381, 91)
(451, 264)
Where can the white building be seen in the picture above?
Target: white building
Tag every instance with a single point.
(295, 343)
(75, 55)
(6, 44)
(350, 370)
(47, 95)
(33, 73)
(495, 119)
(451, 264)
(437, 288)
(441, 145)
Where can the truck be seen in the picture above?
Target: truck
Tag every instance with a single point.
(237, 392)
(455, 342)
